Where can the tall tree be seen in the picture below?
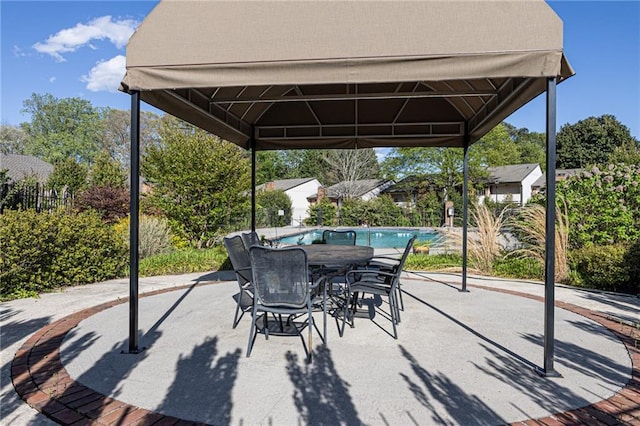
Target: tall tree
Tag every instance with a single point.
(270, 166)
(350, 166)
(496, 148)
(107, 172)
(116, 138)
(531, 145)
(12, 139)
(62, 128)
(590, 141)
(198, 181)
(68, 175)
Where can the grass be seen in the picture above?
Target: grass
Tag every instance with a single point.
(185, 261)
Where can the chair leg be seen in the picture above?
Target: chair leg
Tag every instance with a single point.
(400, 294)
(253, 333)
(237, 319)
(309, 342)
(345, 312)
(395, 313)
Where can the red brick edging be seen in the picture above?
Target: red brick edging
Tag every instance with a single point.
(42, 381)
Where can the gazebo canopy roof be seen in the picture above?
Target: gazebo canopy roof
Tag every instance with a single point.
(345, 74)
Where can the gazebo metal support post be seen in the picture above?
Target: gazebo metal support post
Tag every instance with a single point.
(550, 251)
(133, 222)
(465, 205)
(253, 181)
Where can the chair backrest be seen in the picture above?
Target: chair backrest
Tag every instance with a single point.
(347, 238)
(280, 276)
(407, 250)
(250, 239)
(239, 257)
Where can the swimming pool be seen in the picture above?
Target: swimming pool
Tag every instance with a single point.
(374, 237)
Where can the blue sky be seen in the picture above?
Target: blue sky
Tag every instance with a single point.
(77, 48)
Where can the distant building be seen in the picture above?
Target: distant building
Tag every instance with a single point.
(365, 189)
(297, 190)
(510, 183)
(561, 174)
(405, 192)
(20, 167)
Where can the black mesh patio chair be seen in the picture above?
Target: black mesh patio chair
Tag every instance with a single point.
(239, 257)
(282, 288)
(250, 239)
(347, 238)
(376, 282)
(390, 264)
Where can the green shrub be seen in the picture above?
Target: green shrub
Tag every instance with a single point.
(422, 262)
(154, 235)
(183, 261)
(516, 267)
(632, 261)
(604, 268)
(41, 252)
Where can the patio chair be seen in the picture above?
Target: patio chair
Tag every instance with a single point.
(281, 287)
(239, 257)
(377, 282)
(250, 239)
(347, 238)
(390, 264)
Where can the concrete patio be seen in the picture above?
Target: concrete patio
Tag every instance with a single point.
(461, 358)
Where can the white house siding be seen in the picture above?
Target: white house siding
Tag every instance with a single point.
(516, 192)
(528, 182)
(299, 203)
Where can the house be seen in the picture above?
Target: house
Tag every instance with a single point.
(19, 167)
(510, 183)
(561, 174)
(365, 189)
(297, 190)
(405, 193)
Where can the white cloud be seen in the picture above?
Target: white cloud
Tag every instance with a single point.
(71, 39)
(106, 75)
(52, 79)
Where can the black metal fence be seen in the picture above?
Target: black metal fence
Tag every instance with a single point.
(33, 196)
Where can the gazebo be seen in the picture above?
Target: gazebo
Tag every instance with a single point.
(269, 75)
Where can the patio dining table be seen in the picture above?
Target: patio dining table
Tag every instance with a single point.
(330, 260)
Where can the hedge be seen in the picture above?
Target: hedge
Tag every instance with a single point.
(41, 252)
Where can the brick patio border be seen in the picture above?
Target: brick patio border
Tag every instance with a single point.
(42, 381)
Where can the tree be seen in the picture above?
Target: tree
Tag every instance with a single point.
(116, 137)
(107, 172)
(351, 165)
(590, 141)
(62, 128)
(270, 166)
(12, 139)
(443, 164)
(496, 148)
(627, 153)
(68, 175)
(531, 145)
(199, 182)
(269, 204)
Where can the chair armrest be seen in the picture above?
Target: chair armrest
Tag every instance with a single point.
(244, 273)
(374, 273)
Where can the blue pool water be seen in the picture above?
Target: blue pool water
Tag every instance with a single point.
(374, 237)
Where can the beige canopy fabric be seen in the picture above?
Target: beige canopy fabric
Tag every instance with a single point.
(345, 74)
